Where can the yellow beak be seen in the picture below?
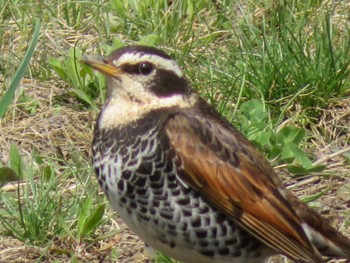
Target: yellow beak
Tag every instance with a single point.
(101, 64)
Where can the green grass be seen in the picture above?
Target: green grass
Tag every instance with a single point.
(270, 67)
(6, 100)
(50, 203)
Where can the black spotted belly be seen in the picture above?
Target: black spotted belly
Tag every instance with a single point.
(177, 215)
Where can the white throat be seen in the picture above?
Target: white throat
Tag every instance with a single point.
(122, 109)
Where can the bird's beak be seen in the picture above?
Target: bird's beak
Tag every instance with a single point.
(101, 64)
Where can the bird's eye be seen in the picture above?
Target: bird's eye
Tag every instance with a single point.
(145, 68)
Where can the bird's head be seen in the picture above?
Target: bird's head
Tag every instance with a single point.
(141, 79)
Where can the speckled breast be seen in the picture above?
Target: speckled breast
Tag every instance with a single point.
(139, 172)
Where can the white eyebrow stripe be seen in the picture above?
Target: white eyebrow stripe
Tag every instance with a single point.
(159, 62)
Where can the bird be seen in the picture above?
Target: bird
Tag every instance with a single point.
(185, 180)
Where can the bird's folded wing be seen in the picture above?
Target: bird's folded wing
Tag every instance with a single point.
(226, 169)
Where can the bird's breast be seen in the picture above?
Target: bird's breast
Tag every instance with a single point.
(140, 175)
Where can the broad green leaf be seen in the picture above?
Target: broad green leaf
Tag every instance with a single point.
(83, 215)
(264, 138)
(93, 220)
(119, 6)
(47, 173)
(15, 160)
(190, 8)
(56, 64)
(84, 97)
(150, 40)
(254, 110)
(116, 43)
(72, 66)
(291, 134)
(290, 152)
(7, 175)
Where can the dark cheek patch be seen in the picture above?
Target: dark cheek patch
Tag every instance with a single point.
(167, 83)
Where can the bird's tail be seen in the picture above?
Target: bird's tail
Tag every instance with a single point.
(328, 241)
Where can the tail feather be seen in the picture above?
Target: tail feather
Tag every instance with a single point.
(338, 246)
(328, 241)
